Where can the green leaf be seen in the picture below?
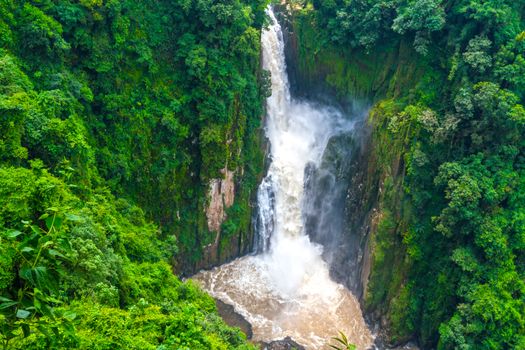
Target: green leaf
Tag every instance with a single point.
(8, 304)
(37, 303)
(26, 330)
(47, 244)
(36, 229)
(23, 314)
(53, 222)
(55, 253)
(13, 233)
(51, 299)
(27, 250)
(38, 276)
(44, 329)
(70, 315)
(73, 217)
(47, 311)
(339, 340)
(69, 328)
(343, 336)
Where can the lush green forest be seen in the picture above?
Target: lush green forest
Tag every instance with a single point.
(447, 79)
(114, 115)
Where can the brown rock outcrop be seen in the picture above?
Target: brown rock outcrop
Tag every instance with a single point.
(221, 196)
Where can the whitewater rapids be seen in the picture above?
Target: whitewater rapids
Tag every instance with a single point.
(285, 289)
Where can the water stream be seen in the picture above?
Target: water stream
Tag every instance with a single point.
(285, 289)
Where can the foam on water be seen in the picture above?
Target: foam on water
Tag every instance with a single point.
(286, 289)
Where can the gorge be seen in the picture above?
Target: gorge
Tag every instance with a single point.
(354, 166)
(285, 288)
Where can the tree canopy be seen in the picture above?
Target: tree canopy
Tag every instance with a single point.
(114, 116)
(459, 131)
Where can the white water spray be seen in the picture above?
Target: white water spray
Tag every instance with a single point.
(286, 290)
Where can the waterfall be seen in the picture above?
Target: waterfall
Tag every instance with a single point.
(286, 290)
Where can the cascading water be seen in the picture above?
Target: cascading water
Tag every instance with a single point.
(286, 290)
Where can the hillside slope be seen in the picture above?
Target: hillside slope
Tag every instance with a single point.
(443, 237)
(122, 124)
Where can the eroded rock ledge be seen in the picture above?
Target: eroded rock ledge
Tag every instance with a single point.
(283, 344)
(221, 196)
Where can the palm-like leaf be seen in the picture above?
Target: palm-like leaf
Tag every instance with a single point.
(343, 340)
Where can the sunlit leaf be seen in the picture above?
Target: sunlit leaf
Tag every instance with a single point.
(74, 218)
(70, 315)
(13, 233)
(23, 314)
(27, 250)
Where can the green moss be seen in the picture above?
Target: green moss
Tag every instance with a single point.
(384, 70)
(445, 140)
(385, 74)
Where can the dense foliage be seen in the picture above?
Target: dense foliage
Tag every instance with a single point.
(115, 114)
(92, 274)
(459, 127)
(154, 97)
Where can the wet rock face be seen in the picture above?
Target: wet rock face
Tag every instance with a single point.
(284, 344)
(324, 203)
(337, 208)
(339, 201)
(234, 319)
(221, 196)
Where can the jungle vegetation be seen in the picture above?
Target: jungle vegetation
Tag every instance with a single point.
(452, 114)
(114, 115)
